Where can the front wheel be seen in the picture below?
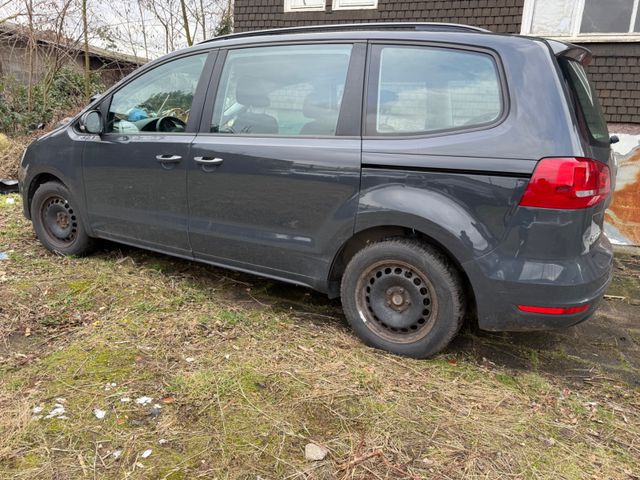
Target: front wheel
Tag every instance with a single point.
(57, 222)
(404, 297)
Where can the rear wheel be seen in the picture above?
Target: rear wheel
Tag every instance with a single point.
(402, 296)
(56, 220)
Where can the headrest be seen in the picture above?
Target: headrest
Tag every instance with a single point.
(250, 92)
(317, 106)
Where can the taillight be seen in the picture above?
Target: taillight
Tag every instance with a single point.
(567, 183)
(553, 310)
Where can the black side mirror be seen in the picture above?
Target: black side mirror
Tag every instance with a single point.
(613, 139)
(91, 122)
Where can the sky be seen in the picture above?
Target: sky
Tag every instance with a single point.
(119, 26)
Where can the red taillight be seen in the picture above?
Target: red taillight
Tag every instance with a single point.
(567, 183)
(553, 310)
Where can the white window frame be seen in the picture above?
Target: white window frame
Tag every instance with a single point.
(576, 20)
(354, 4)
(289, 6)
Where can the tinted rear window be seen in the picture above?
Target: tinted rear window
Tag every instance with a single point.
(587, 98)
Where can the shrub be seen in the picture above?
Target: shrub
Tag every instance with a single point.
(50, 99)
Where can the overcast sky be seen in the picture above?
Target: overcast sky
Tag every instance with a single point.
(119, 25)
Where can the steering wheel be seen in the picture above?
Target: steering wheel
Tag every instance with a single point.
(170, 124)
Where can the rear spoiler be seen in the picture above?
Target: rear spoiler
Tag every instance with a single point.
(569, 50)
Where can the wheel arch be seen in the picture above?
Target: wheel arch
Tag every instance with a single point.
(385, 232)
(35, 182)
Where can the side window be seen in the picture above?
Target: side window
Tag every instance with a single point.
(159, 100)
(427, 89)
(281, 90)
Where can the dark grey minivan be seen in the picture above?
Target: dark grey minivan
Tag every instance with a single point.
(419, 171)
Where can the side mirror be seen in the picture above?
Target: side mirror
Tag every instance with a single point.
(91, 122)
(613, 139)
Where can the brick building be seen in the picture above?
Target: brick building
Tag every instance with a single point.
(610, 29)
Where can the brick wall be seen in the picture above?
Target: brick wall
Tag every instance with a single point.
(495, 15)
(615, 70)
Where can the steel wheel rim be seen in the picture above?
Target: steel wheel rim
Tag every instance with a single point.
(59, 220)
(396, 301)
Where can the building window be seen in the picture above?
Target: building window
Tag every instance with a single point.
(582, 20)
(304, 5)
(354, 4)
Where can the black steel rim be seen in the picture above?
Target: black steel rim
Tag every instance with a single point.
(59, 220)
(396, 301)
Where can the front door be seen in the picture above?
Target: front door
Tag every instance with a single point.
(135, 173)
(274, 178)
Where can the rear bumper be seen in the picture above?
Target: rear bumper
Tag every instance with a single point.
(569, 282)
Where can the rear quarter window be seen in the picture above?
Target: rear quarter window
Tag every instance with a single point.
(421, 90)
(586, 99)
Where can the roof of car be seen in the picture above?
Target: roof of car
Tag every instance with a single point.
(353, 27)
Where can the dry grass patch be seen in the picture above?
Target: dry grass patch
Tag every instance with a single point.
(241, 380)
(11, 149)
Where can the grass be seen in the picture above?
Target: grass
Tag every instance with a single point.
(244, 378)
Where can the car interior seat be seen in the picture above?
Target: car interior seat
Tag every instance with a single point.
(251, 94)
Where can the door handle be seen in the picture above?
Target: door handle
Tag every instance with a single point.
(209, 161)
(168, 158)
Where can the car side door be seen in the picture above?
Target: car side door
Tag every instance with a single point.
(275, 171)
(135, 172)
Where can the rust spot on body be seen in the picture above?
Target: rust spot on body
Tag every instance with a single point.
(624, 211)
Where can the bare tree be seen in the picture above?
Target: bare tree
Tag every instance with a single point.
(185, 22)
(87, 65)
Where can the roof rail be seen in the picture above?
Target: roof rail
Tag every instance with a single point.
(417, 26)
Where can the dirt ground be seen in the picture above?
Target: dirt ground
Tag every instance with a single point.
(130, 364)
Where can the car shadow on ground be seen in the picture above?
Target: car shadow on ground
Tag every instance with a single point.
(605, 347)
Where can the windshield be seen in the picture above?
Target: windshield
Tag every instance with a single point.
(587, 98)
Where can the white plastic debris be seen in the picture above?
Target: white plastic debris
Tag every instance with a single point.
(146, 453)
(125, 399)
(4, 256)
(189, 359)
(162, 441)
(157, 405)
(116, 454)
(11, 201)
(57, 412)
(144, 400)
(100, 414)
(37, 409)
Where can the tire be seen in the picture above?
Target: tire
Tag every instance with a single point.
(404, 297)
(56, 221)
